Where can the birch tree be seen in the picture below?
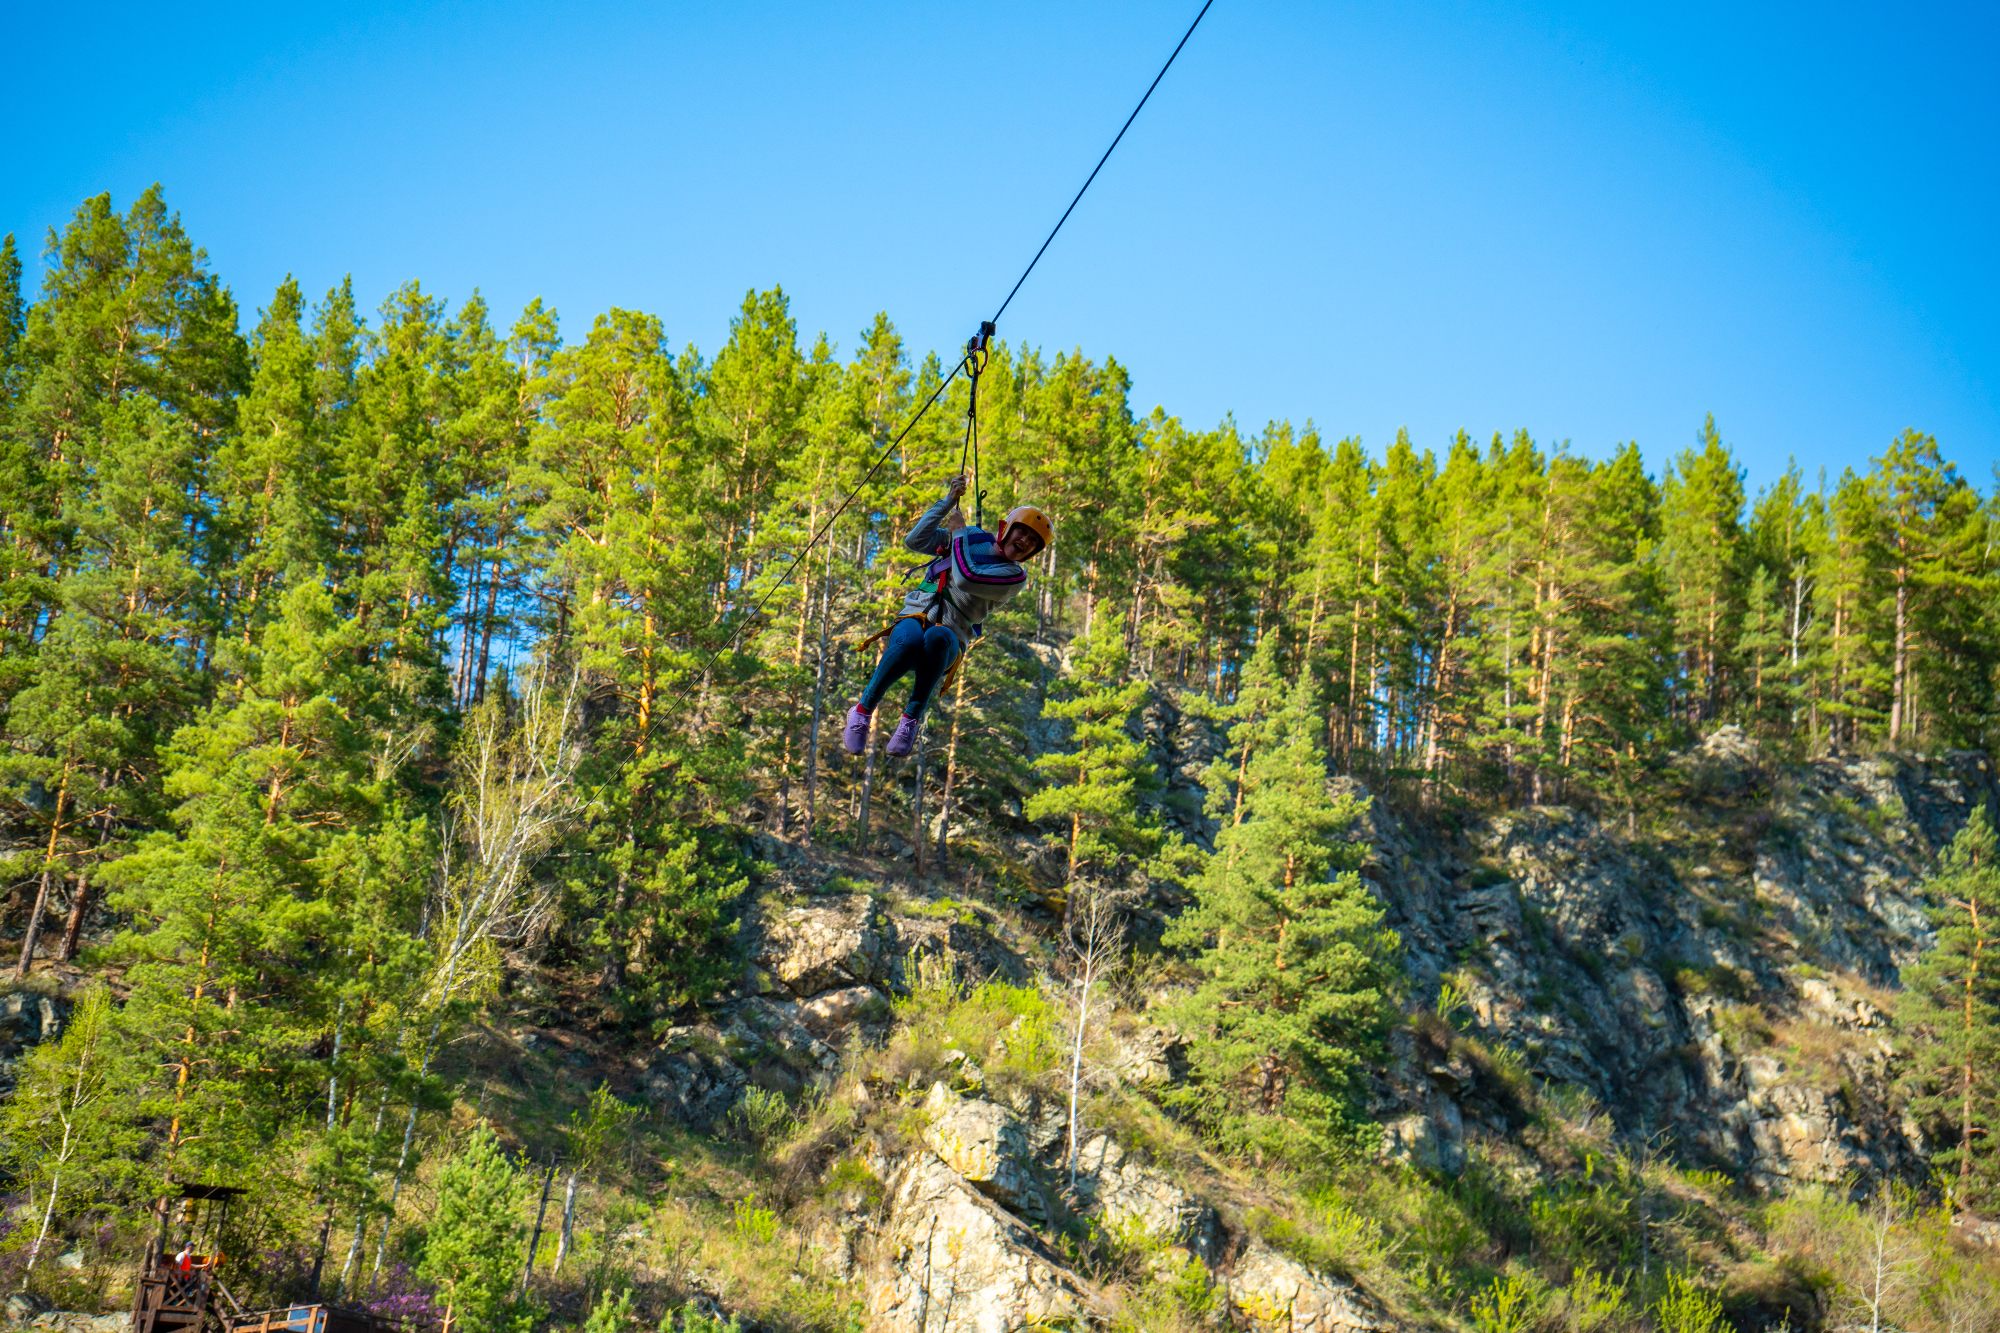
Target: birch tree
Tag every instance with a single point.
(57, 1135)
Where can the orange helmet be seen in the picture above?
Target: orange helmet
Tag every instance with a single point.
(1031, 518)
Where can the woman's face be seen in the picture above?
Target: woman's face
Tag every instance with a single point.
(1019, 543)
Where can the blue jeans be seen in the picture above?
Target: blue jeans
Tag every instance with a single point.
(912, 649)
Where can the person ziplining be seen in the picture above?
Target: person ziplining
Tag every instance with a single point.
(971, 575)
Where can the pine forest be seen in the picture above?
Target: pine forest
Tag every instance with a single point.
(378, 685)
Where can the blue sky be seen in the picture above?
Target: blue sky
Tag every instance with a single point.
(1598, 223)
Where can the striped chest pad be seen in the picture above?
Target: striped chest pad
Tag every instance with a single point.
(976, 560)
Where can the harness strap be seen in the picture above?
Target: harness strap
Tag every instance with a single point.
(890, 628)
(950, 672)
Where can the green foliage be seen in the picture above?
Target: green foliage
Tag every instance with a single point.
(760, 1112)
(475, 1244)
(1593, 1299)
(1687, 1307)
(611, 1314)
(1952, 998)
(59, 1131)
(692, 1319)
(755, 1224)
(594, 1130)
(1453, 999)
(1296, 965)
(1507, 1305)
(851, 1174)
(1095, 779)
(261, 596)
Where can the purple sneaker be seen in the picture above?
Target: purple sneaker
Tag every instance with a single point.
(854, 736)
(905, 739)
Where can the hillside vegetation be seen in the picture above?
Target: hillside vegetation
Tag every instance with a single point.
(1482, 887)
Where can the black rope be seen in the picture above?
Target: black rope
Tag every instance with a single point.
(680, 696)
(1101, 161)
(974, 361)
(824, 528)
(974, 366)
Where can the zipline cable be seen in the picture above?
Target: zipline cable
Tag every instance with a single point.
(1101, 161)
(824, 528)
(973, 360)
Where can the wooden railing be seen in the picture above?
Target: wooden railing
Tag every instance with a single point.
(316, 1319)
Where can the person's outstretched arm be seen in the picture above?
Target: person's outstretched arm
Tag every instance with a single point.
(928, 536)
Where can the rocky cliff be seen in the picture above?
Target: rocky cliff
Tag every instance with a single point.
(1707, 980)
(1669, 1015)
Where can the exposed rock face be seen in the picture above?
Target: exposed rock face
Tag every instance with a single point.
(840, 942)
(1621, 967)
(957, 1261)
(985, 1144)
(1044, 1120)
(830, 1012)
(693, 1078)
(1149, 1056)
(1269, 1291)
(836, 943)
(26, 1019)
(1125, 1194)
(1662, 977)
(19, 1314)
(816, 973)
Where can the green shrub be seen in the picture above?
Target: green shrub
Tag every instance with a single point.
(1593, 1299)
(1454, 999)
(1579, 1222)
(1741, 1026)
(1714, 1182)
(1686, 1308)
(1506, 1306)
(760, 1113)
(692, 1320)
(1348, 1241)
(612, 1314)
(851, 1174)
(755, 1224)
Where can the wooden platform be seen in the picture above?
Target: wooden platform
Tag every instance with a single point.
(313, 1319)
(171, 1302)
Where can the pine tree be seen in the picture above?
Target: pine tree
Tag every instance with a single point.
(1788, 534)
(1762, 645)
(1952, 997)
(657, 879)
(1701, 547)
(473, 1248)
(273, 479)
(1930, 531)
(242, 933)
(1854, 675)
(1097, 776)
(1296, 965)
(12, 309)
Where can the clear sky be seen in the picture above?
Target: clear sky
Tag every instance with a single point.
(1596, 222)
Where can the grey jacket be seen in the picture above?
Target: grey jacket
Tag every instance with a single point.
(967, 580)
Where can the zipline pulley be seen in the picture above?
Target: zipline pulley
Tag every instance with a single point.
(977, 349)
(973, 363)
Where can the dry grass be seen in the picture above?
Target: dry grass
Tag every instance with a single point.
(1817, 1049)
